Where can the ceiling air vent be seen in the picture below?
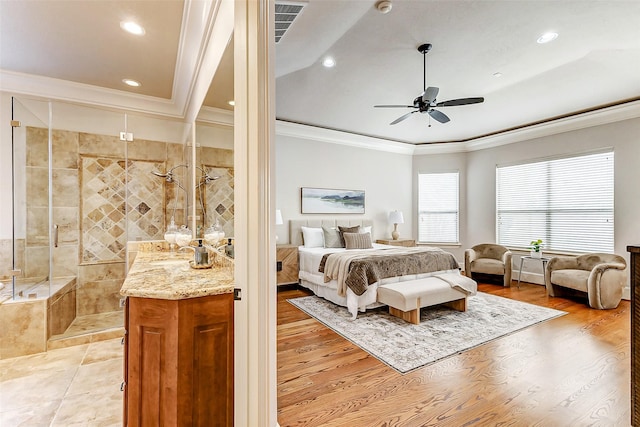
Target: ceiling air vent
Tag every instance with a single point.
(286, 12)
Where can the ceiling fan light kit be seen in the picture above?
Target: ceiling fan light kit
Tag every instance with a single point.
(426, 101)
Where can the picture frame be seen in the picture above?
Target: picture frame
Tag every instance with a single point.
(331, 201)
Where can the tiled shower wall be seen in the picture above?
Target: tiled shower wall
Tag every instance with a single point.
(95, 193)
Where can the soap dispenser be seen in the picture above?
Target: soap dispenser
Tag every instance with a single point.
(201, 255)
(228, 250)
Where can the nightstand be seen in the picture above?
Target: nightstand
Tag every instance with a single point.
(399, 242)
(287, 259)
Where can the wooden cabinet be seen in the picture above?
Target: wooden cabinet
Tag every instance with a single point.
(287, 259)
(635, 333)
(179, 361)
(399, 242)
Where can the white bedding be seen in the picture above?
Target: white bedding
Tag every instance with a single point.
(311, 278)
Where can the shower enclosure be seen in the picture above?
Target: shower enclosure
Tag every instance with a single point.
(81, 188)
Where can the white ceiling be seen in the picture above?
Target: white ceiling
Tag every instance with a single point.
(594, 62)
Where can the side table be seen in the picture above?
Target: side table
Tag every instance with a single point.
(287, 259)
(544, 265)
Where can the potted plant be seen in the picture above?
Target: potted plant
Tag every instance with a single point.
(536, 248)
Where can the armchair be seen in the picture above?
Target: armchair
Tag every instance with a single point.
(601, 276)
(488, 258)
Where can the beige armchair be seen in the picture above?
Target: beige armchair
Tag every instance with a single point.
(601, 276)
(488, 258)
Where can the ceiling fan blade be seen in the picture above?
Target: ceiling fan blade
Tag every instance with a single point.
(430, 94)
(401, 118)
(439, 116)
(461, 101)
(393, 106)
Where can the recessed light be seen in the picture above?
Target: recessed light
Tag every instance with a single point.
(132, 27)
(329, 62)
(497, 74)
(547, 37)
(232, 102)
(131, 82)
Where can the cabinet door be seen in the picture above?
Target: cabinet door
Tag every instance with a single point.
(180, 362)
(125, 363)
(287, 256)
(153, 361)
(206, 361)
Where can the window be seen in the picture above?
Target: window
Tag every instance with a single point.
(568, 203)
(438, 207)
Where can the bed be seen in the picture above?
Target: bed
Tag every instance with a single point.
(329, 276)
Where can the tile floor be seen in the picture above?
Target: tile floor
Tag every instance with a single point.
(73, 386)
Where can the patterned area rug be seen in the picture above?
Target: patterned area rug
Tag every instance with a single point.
(442, 331)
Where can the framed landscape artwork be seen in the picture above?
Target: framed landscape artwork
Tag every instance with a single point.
(331, 201)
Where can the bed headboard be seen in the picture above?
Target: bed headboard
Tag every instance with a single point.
(295, 230)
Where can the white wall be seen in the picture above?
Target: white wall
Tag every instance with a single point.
(623, 137)
(385, 177)
(478, 198)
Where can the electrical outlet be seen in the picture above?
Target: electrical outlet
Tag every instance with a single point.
(122, 302)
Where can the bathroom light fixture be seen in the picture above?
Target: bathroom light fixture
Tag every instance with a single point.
(329, 62)
(132, 27)
(131, 82)
(395, 218)
(547, 37)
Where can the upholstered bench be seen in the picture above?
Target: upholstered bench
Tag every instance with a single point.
(405, 299)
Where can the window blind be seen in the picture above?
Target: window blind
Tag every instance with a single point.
(568, 203)
(438, 207)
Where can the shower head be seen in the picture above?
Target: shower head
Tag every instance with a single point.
(208, 178)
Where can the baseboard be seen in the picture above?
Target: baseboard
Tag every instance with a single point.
(528, 277)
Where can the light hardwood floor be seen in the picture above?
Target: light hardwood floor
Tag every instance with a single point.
(570, 371)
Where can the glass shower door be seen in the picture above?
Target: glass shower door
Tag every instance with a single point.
(29, 199)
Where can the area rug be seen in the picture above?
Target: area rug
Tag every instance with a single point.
(442, 331)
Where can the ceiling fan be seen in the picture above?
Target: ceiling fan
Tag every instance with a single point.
(426, 102)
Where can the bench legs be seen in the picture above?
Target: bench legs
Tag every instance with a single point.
(413, 316)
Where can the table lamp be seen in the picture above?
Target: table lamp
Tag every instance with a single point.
(395, 218)
(278, 220)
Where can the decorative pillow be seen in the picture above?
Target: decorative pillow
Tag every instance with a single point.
(342, 230)
(312, 237)
(357, 240)
(366, 229)
(332, 238)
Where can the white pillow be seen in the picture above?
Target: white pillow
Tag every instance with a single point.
(366, 229)
(312, 237)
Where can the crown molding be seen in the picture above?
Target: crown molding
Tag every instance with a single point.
(216, 116)
(206, 30)
(616, 113)
(330, 136)
(80, 93)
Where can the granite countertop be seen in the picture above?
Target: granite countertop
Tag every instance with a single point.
(168, 275)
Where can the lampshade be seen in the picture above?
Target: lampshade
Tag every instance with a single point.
(395, 217)
(279, 217)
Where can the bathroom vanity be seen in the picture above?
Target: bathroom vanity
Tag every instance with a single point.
(178, 364)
